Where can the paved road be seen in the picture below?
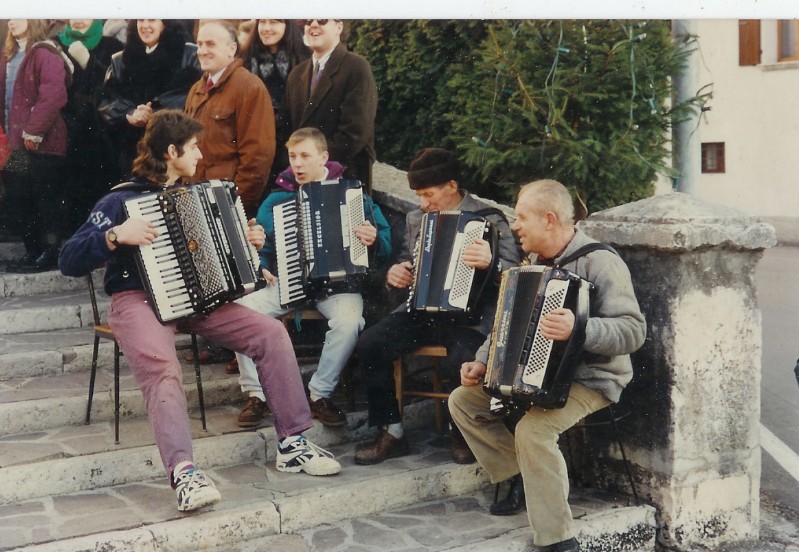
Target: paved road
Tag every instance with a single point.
(778, 293)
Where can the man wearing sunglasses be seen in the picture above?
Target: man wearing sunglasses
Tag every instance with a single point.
(335, 92)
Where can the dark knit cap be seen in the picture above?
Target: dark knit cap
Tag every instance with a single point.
(432, 167)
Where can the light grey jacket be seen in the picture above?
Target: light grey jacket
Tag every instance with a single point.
(616, 326)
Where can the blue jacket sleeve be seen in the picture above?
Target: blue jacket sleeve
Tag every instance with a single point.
(86, 250)
(383, 243)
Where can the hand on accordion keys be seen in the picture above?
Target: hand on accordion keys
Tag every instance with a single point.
(400, 275)
(477, 255)
(557, 324)
(472, 372)
(255, 234)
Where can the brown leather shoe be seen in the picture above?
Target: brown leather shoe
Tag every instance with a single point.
(326, 412)
(384, 447)
(232, 366)
(461, 453)
(254, 411)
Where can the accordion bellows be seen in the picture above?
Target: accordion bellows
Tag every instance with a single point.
(524, 368)
(442, 283)
(201, 258)
(315, 244)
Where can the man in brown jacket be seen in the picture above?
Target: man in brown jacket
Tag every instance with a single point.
(335, 92)
(235, 109)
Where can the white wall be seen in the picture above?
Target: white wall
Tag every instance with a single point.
(755, 112)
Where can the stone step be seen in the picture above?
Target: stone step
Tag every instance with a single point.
(47, 312)
(49, 402)
(262, 507)
(42, 283)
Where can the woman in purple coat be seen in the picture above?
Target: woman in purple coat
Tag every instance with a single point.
(34, 78)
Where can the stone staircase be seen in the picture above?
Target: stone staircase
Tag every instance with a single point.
(67, 486)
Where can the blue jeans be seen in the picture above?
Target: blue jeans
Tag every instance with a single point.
(344, 313)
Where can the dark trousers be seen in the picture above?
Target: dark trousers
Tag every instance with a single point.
(35, 199)
(400, 333)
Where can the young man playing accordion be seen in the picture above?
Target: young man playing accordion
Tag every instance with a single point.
(615, 329)
(168, 152)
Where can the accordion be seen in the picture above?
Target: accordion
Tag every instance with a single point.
(315, 244)
(201, 258)
(442, 283)
(524, 368)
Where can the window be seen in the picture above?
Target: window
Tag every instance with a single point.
(748, 42)
(713, 157)
(786, 40)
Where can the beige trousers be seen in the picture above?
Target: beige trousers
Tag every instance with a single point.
(533, 452)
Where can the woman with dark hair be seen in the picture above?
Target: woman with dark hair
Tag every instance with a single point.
(34, 77)
(275, 46)
(168, 153)
(155, 70)
(90, 165)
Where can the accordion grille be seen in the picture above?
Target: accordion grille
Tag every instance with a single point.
(200, 243)
(356, 217)
(462, 283)
(554, 298)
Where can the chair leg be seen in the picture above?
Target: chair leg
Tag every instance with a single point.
(92, 378)
(398, 383)
(439, 403)
(116, 392)
(623, 455)
(198, 376)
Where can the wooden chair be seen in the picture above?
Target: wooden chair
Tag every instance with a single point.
(434, 352)
(302, 350)
(103, 331)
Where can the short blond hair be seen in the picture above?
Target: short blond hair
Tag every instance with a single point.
(308, 133)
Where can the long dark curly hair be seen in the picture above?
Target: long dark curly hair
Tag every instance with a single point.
(166, 127)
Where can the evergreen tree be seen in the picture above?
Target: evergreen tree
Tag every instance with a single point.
(584, 102)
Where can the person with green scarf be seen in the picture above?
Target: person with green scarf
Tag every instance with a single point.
(90, 160)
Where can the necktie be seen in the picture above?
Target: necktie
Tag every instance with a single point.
(209, 84)
(315, 75)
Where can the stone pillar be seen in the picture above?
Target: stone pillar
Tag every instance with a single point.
(693, 435)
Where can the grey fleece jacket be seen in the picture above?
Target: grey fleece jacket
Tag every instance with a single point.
(615, 328)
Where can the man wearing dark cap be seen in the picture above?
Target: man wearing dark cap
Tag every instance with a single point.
(433, 175)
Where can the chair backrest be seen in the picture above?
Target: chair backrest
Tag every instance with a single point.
(93, 299)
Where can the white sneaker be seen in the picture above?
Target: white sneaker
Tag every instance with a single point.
(195, 490)
(302, 455)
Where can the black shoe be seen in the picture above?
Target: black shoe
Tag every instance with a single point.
(514, 502)
(570, 545)
(46, 261)
(27, 260)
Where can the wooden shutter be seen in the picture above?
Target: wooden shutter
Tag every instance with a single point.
(748, 41)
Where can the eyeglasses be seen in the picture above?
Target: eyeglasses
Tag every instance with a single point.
(322, 22)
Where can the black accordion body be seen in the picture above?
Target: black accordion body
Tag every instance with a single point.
(442, 283)
(524, 368)
(201, 258)
(315, 244)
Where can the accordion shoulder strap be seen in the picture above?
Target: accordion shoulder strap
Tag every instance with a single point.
(137, 187)
(491, 211)
(585, 250)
